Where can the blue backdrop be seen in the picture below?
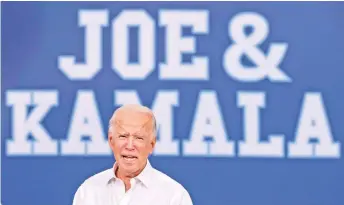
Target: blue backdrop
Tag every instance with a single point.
(249, 97)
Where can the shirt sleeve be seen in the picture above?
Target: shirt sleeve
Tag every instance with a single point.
(186, 198)
(181, 197)
(78, 196)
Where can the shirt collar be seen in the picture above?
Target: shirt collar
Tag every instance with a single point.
(144, 177)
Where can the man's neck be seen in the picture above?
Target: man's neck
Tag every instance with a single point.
(126, 177)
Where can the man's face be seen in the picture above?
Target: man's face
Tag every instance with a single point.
(132, 140)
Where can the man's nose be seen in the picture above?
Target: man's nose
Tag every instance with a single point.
(130, 143)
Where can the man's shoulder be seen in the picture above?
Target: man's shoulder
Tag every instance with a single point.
(166, 181)
(100, 178)
(171, 187)
(93, 185)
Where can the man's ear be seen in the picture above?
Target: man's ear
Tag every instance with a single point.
(153, 142)
(110, 139)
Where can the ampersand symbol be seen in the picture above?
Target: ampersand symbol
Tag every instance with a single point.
(266, 65)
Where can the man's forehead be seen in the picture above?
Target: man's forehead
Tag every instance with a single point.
(133, 120)
(132, 128)
(133, 124)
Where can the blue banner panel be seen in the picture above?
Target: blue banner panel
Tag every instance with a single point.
(249, 97)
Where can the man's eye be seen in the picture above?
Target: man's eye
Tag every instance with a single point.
(121, 136)
(140, 138)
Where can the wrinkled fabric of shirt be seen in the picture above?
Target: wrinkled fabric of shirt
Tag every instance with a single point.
(150, 187)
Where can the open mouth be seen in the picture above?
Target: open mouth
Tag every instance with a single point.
(129, 157)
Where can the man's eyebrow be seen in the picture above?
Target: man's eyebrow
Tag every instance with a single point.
(123, 133)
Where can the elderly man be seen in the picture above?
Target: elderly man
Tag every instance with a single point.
(132, 180)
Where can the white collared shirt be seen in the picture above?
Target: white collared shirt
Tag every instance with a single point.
(150, 187)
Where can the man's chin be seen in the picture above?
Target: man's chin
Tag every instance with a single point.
(129, 169)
